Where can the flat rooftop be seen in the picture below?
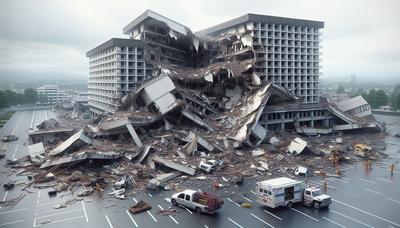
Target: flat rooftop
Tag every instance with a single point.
(261, 18)
(114, 42)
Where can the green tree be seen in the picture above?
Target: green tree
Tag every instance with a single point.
(377, 98)
(3, 100)
(12, 97)
(30, 96)
(395, 98)
(340, 89)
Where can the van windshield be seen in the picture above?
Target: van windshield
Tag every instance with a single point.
(317, 193)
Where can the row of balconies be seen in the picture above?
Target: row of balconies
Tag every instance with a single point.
(283, 27)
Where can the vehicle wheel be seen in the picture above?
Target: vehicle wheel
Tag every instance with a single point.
(211, 171)
(173, 201)
(316, 205)
(198, 210)
(289, 205)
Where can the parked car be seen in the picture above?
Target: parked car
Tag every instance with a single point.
(208, 166)
(301, 171)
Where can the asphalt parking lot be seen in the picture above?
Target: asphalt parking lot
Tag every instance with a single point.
(359, 199)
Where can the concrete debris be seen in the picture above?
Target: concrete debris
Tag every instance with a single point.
(119, 194)
(9, 138)
(36, 152)
(257, 152)
(175, 166)
(274, 141)
(264, 165)
(72, 144)
(161, 179)
(49, 124)
(297, 146)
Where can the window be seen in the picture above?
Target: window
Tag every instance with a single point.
(308, 192)
(181, 196)
(187, 197)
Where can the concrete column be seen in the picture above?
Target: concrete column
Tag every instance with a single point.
(134, 135)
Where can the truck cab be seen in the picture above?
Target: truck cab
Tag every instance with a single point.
(313, 197)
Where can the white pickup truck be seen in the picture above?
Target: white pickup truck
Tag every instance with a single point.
(201, 202)
(284, 191)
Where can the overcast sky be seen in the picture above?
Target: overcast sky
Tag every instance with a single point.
(50, 37)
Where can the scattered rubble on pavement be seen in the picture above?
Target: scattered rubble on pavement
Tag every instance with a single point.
(172, 122)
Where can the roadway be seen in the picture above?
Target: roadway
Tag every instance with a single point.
(359, 199)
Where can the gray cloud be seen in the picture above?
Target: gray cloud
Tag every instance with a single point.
(47, 37)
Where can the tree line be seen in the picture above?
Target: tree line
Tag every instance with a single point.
(378, 97)
(9, 97)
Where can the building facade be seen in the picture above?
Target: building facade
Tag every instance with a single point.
(115, 67)
(287, 50)
(52, 94)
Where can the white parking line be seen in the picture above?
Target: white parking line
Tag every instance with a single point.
(355, 220)
(149, 194)
(320, 184)
(134, 199)
(369, 190)
(393, 200)
(84, 210)
(308, 216)
(109, 223)
(385, 180)
(350, 194)
(233, 221)
(155, 220)
(205, 226)
(67, 219)
(333, 222)
(50, 203)
(346, 179)
(366, 212)
(188, 210)
(273, 215)
(336, 179)
(262, 220)
(61, 213)
(229, 199)
(5, 195)
(9, 223)
(38, 198)
(368, 181)
(2, 213)
(132, 218)
(253, 192)
(247, 199)
(169, 215)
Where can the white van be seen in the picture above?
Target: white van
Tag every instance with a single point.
(281, 191)
(284, 191)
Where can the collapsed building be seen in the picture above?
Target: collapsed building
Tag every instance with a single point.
(220, 65)
(167, 99)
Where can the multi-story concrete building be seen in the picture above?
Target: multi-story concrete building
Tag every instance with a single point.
(287, 50)
(52, 94)
(115, 67)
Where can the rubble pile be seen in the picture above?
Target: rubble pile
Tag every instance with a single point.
(172, 122)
